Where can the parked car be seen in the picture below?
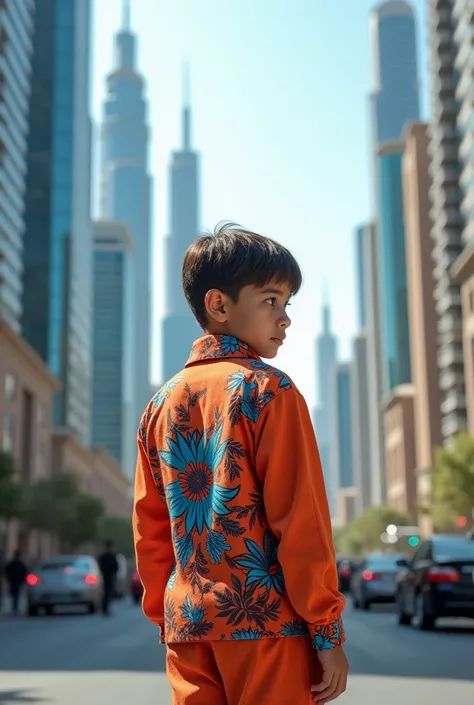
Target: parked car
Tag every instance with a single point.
(437, 582)
(136, 587)
(64, 580)
(345, 569)
(374, 579)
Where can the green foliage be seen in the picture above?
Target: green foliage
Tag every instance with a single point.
(453, 483)
(363, 534)
(12, 495)
(57, 506)
(120, 531)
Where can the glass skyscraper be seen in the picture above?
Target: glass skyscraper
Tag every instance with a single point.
(113, 343)
(126, 190)
(58, 243)
(16, 29)
(396, 368)
(395, 94)
(342, 456)
(179, 326)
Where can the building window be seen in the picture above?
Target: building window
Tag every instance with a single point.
(10, 386)
(8, 430)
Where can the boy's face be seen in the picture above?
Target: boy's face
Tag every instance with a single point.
(259, 316)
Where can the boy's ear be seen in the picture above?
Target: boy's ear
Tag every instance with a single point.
(215, 303)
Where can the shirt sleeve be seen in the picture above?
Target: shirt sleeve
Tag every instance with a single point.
(289, 467)
(152, 536)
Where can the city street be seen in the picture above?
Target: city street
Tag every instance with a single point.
(70, 660)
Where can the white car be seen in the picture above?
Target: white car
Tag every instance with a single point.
(64, 580)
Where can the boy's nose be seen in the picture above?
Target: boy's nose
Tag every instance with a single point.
(285, 321)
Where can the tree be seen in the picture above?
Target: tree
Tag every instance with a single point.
(11, 492)
(363, 534)
(453, 483)
(119, 530)
(12, 496)
(57, 506)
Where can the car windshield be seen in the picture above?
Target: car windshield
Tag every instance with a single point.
(381, 563)
(61, 563)
(457, 549)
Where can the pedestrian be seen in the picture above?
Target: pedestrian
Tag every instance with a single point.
(108, 565)
(231, 522)
(15, 574)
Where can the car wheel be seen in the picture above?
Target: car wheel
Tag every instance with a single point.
(423, 621)
(32, 611)
(91, 607)
(403, 618)
(49, 610)
(136, 599)
(365, 605)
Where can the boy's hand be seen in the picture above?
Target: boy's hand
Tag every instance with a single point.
(335, 669)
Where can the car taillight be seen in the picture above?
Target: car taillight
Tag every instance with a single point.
(135, 577)
(90, 579)
(32, 580)
(345, 572)
(368, 575)
(440, 574)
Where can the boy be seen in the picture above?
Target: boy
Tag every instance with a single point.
(231, 522)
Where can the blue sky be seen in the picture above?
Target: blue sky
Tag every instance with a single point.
(280, 115)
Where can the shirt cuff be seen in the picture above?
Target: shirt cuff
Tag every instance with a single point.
(328, 636)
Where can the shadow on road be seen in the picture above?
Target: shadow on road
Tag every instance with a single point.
(378, 646)
(19, 696)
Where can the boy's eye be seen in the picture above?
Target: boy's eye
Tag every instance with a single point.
(271, 301)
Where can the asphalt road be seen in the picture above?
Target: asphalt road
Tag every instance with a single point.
(77, 659)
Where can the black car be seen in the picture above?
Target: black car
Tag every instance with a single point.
(437, 582)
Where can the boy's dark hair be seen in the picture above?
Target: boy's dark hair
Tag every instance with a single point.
(230, 259)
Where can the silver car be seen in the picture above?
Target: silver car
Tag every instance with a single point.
(374, 579)
(64, 580)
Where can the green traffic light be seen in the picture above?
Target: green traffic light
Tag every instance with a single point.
(413, 541)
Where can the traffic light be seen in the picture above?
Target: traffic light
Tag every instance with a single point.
(461, 522)
(413, 541)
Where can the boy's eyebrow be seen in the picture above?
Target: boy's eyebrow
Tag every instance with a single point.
(272, 290)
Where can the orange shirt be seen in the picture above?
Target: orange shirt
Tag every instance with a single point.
(231, 522)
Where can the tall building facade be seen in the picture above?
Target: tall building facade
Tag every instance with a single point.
(421, 309)
(361, 284)
(57, 292)
(126, 188)
(396, 367)
(360, 415)
(395, 93)
(113, 343)
(341, 448)
(16, 28)
(447, 219)
(179, 327)
(463, 268)
(326, 355)
(374, 365)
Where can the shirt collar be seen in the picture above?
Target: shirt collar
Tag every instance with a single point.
(212, 347)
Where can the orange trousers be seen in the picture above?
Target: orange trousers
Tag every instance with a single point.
(251, 672)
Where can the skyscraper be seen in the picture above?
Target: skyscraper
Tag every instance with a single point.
(361, 284)
(126, 188)
(396, 367)
(15, 56)
(342, 455)
(395, 94)
(421, 308)
(326, 355)
(113, 343)
(58, 242)
(374, 365)
(446, 216)
(179, 327)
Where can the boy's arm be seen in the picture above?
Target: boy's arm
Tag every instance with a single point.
(152, 536)
(294, 495)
